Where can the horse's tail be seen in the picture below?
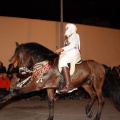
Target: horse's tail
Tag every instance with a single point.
(112, 87)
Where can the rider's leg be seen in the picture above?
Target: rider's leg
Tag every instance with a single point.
(66, 73)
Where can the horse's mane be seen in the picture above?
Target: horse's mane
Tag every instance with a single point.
(38, 51)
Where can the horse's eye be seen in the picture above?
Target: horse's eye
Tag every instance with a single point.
(19, 58)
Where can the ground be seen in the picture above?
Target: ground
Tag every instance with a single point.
(35, 109)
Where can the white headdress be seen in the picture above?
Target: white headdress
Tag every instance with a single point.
(71, 28)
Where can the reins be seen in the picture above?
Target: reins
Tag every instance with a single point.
(39, 69)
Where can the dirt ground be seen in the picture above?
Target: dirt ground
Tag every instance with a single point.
(35, 109)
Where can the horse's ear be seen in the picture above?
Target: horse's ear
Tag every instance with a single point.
(22, 47)
(17, 44)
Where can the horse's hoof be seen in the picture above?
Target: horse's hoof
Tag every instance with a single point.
(97, 118)
(1, 102)
(90, 114)
(50, 118)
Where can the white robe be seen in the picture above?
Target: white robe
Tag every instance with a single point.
(70, 51)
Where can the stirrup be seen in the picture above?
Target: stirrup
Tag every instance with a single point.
(69, 91)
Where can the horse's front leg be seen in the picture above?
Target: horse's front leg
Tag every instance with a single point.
(51, 94)
(7, 97)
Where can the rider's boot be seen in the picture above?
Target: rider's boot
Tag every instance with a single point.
(66, 73)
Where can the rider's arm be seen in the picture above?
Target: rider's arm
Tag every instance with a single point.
(73, 43)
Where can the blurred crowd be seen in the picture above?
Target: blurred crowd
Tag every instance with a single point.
(8, 78)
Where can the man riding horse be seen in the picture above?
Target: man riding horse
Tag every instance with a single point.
(70, 50)
(90, 75)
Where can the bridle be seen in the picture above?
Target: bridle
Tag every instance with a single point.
(23, 69)
(37, 71)
(42, 67)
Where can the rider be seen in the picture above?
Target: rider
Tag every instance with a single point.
(68, 52)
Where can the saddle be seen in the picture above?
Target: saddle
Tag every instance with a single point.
(76, 60)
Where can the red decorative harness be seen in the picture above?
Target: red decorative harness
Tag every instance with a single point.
(40, 68)
(38, 71)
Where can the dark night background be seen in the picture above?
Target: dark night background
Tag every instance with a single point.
(104, 13)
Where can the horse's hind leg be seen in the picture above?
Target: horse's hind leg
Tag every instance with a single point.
(51, 95)
(98, 89)
(91, 92)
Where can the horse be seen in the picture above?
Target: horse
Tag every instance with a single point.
(41, 64)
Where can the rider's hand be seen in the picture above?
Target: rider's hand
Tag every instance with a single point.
(59, 50)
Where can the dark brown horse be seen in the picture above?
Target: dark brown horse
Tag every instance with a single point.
(42, 65)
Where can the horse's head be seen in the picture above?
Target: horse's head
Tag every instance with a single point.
(29, 54)
(23, 57)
